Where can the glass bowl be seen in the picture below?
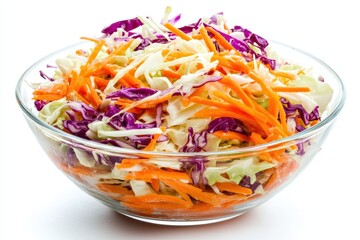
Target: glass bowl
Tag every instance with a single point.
(192, 204)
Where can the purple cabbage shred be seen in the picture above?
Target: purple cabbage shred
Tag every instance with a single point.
(132, 93)
(127, 25)
(293, 109)
(39, 104)
(195, 142)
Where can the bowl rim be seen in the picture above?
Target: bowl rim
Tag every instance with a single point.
(273, 145)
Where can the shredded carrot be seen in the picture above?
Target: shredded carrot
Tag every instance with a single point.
(177, 31)
(147, 175)
(251, 123)
(159, 201)
(197, 193)
(54, 92)
(271, 182)
(121, 49)
(155, 184)
(273, 106)
(231, 135)
(238, 90)
(100, 82)
(235, 63)
(207, 40)
(114, 189)
(282, 74)
(128, 163)
(95, 52)
(220, 39)
(90, 39)
(291, 89)
(155, 102)
(172, 55)
(132, 80)
(167, 72)
(233, 187)
(241, 106)
(209, 102)
(151, 145)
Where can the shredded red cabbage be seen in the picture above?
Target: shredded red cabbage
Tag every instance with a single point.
(195, 165)
(175, 19)
(298, 109)
(127, 121)
(209, 78)
(70, 156)
(189, 28)
(132, 93)
(39, 104)
(79, 128)
(226, 124)
(44, 76)
(246, 182)
(127, 25)
(87, 112)
(195, 142)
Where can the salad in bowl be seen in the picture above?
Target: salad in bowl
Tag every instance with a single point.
(180, 125)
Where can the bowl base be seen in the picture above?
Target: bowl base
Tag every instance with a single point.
(177, 222)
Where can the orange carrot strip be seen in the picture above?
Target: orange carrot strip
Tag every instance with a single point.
(132, 80)
(100, 82)
(93, 97)
(291, 89)
(238, 90)
(220, 39)
(235, 63)
(147, 175)
(82, 170)
(177, 54)
(128, 163)
(123, 102)
(241, 106)
(177, 31)
(196, 193)
(90, 39)
(272, 181)
(257, 140)
(154, 102)
(273, 106)
(273, 120)
(51, 93)
(209, 102)
(234, 113)
(158, 207)
(233, 187)
(155, 184)
(121, 49)
(170, 74)
(114, 189)
(95, 52)
(156, 198)
(231, 135)
(47, 97)
(56, 89)
(207, 40)
(282, 74)
(151, 145)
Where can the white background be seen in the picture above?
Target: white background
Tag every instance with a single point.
(38, 202)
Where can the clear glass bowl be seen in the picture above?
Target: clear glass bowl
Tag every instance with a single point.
(98, 182)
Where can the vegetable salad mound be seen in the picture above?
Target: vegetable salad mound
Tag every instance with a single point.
(203, 87)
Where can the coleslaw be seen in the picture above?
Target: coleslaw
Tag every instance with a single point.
(203, 87)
